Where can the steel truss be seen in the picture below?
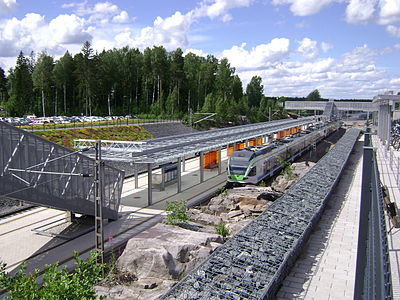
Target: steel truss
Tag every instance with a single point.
(171, 148)
(38, 171)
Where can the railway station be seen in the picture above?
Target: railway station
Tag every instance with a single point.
(66, 184)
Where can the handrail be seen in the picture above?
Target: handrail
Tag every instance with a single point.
(373, 277)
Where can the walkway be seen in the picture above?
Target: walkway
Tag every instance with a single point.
(388, 164)
(326, 268)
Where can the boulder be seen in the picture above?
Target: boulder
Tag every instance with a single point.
(164, 251)
(206, 219)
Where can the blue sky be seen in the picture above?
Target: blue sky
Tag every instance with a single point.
(345, 48)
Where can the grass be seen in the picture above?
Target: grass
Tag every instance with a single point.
(176, 212)
(65, 137)
(222, 230)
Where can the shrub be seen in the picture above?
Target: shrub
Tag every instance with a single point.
(222, 230)
(176, 212)
(287, 168)
(56, 283)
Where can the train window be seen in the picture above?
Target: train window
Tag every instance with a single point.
(237, 170)
(253, 171)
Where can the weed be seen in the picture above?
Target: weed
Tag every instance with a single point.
(176, 212)
(222, 230)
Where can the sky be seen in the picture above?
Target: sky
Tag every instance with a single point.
(343, 48)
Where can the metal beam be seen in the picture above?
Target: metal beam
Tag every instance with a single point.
(201, 167)
(219, 161)
(150, 184)
(179, 175)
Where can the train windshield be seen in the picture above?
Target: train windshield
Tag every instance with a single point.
(239, 161)
(237, 170)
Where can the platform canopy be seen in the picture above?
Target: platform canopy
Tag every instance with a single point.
(170, 148)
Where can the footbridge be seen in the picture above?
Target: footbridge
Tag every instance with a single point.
(382, 105)
(37, 171)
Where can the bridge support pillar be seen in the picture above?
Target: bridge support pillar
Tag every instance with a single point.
(201, 167)
(384, 123)
(69, 216)
(219, 161)
(179, 175)
(150, 184)
(136, 176)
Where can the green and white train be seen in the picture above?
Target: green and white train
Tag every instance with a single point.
(253, 164)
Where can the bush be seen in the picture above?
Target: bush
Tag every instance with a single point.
(56, 283)
(222, 230)
(176, 212)
(287, 168)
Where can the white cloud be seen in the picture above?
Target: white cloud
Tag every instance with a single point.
(219, 8)
(353, 75)
(32, 33)
(69, 29)
(304, 7)
(6, 6)
(198, 52)
(123, 17)
(389, 11)
(326, 47)
(393, 30)
(258, 57)
(360, 10)
(308, 48)
(172, 32)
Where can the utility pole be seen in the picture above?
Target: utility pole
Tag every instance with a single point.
(98, 205)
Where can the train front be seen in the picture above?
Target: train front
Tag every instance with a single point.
(238, 165)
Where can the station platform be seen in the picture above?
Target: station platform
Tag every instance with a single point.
(326, 267)
(135, 216)
(389, 171)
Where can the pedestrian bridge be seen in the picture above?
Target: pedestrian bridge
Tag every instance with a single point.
(37, 171)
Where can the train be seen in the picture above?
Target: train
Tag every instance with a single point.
(256, 163)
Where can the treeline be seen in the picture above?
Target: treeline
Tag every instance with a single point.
(128, 81)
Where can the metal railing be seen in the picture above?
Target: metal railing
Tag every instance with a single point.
(373, 277)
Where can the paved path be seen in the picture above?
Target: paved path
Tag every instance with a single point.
(326, 268)
(388, 164)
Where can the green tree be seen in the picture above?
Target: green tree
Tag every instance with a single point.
(63, 78)
(209, 104)
(171, 105)
(21, 88)
(237, 89)
(132, 77)
(86, 74)
(192, 65)
(42, 80)
(177, 72)
(255, 91)
(224, 79)
(3, 86)
(314, 96)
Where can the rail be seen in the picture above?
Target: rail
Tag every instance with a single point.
(373, 277)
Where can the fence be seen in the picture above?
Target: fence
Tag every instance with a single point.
(373, 278)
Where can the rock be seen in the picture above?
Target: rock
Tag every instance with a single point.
(206, 219)
(269, 196)
(163, 251)
(137, 291)
(235, 227)
(234, 213)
